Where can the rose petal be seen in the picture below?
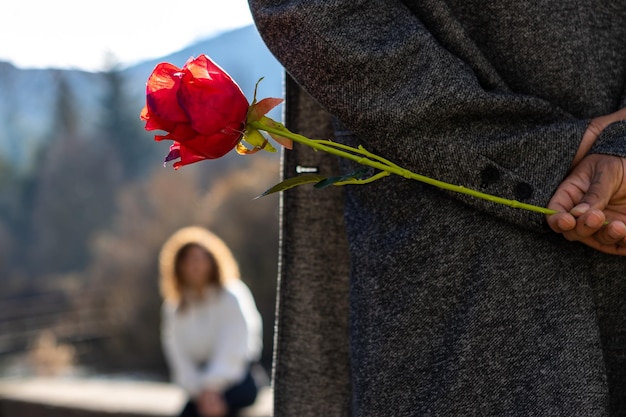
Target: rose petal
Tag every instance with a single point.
(188, 155)
(212, 104)
(182, 133)
(198, 67)
(161, 97)
(154, 122)
(212, 147)
(159, 138)
(174, 153)
(204, 68)
(185, 155)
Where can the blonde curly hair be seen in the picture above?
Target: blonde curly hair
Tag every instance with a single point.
(171, 284)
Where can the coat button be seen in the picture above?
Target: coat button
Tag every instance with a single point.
(523, 191)
(489, 175)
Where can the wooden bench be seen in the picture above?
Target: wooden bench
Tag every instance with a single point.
(91, 397)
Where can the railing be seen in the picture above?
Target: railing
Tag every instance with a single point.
(47, 329)
(42, 322)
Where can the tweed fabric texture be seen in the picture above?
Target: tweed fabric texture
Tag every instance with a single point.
(457, 306)
(311, 375)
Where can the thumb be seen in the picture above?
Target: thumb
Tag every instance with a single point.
(594, 130)
(598, 124)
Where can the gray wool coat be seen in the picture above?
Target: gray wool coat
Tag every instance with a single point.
(399, 299)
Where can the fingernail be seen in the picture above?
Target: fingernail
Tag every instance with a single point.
(616, 230)
(614, 234)
(580, 209)
(594, 220)
(564, 223)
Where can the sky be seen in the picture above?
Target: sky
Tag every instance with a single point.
(81, 33)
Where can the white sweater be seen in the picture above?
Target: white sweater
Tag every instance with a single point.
(211, 343)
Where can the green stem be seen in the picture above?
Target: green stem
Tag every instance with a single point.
(363, 157)
(373, 178)
(360, 151)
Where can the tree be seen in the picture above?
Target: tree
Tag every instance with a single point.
(8, 212)
(75, 183)
(121, 126)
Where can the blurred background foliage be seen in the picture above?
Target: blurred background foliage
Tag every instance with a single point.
(82, 223)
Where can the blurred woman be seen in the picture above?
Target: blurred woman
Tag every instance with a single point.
(211, 328)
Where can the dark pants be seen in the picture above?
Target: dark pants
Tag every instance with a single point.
(236, 397)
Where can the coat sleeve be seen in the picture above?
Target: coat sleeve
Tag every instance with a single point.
(229, 361)
(376, 67)
(182, 368)
(612, 141)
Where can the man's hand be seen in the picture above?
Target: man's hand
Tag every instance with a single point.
(591, 201)
(595, 127)
(594, 192)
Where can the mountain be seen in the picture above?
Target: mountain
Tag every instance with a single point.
(32, 100)
(240, 52)
(28, 104)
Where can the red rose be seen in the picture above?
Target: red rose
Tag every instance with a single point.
(199, 106)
